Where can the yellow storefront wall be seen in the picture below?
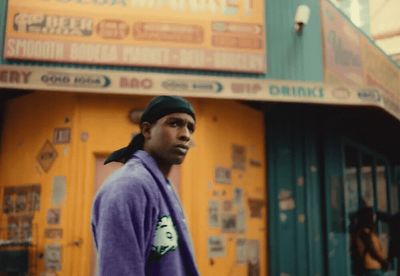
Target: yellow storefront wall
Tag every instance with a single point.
(229, 141)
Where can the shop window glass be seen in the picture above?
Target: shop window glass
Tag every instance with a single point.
(367, 184)
(350, 176)
(381, 184)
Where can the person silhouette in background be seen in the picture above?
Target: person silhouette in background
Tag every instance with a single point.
(370, 252)
(393, 222)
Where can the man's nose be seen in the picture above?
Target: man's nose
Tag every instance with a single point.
(184, 134)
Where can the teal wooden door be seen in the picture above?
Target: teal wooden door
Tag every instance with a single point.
(295, 235)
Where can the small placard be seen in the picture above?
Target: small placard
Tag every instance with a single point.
(53, 216)
(228, 221)
(241, 219)
(241, 251)
(255, 206)
(227, 206)
(238, 196)
(223, 175)
(216, 246)
(53, 233)
(62, 135)
(52, 257)
(59, 190)
(47, 155)
(238, 157)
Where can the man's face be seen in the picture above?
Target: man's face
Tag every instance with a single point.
(169, 139)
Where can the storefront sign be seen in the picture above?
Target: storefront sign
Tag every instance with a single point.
(142, 83)
(14, 76)
(212, 35)
(355, 68)
(341, 46)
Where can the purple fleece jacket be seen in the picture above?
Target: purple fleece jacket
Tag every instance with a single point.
(138, 224)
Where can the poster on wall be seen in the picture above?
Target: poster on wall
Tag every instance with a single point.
(52, 257)
(253, 257)
(238, 157)
(210, 35)
(216, 246)
(241, 251)
(228, 222)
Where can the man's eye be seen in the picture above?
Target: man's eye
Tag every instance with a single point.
(191, 129)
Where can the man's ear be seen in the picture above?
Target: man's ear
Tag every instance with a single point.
(146, 130)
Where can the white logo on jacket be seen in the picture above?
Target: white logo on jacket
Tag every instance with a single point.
(165, 237)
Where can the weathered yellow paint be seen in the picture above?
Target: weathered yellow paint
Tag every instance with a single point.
(103, 120)
(29, 121)
(220, 125)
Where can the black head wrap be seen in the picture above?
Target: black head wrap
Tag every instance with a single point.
(157, 108)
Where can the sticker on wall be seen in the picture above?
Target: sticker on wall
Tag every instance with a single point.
(52, 257)
(238, 196)
(241, 219)
(216, 246)
(255, 163)
(61, 135)
(253, 257)
(223, 175)
(58, 190)
(255, 206)
(53, 233)
(84, 136)
(53, 216)
(241, 251)
(286, 200)
(227, 205)
(47, 155)
(8, 200)
(228, 222)
(213, 214)
(238, 157)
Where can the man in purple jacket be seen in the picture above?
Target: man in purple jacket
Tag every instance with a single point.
(137, 220)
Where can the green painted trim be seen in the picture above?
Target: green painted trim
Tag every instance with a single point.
(3, 18)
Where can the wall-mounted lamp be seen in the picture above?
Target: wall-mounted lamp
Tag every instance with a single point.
(301, 18)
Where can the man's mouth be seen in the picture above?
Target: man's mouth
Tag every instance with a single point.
(182, 149)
